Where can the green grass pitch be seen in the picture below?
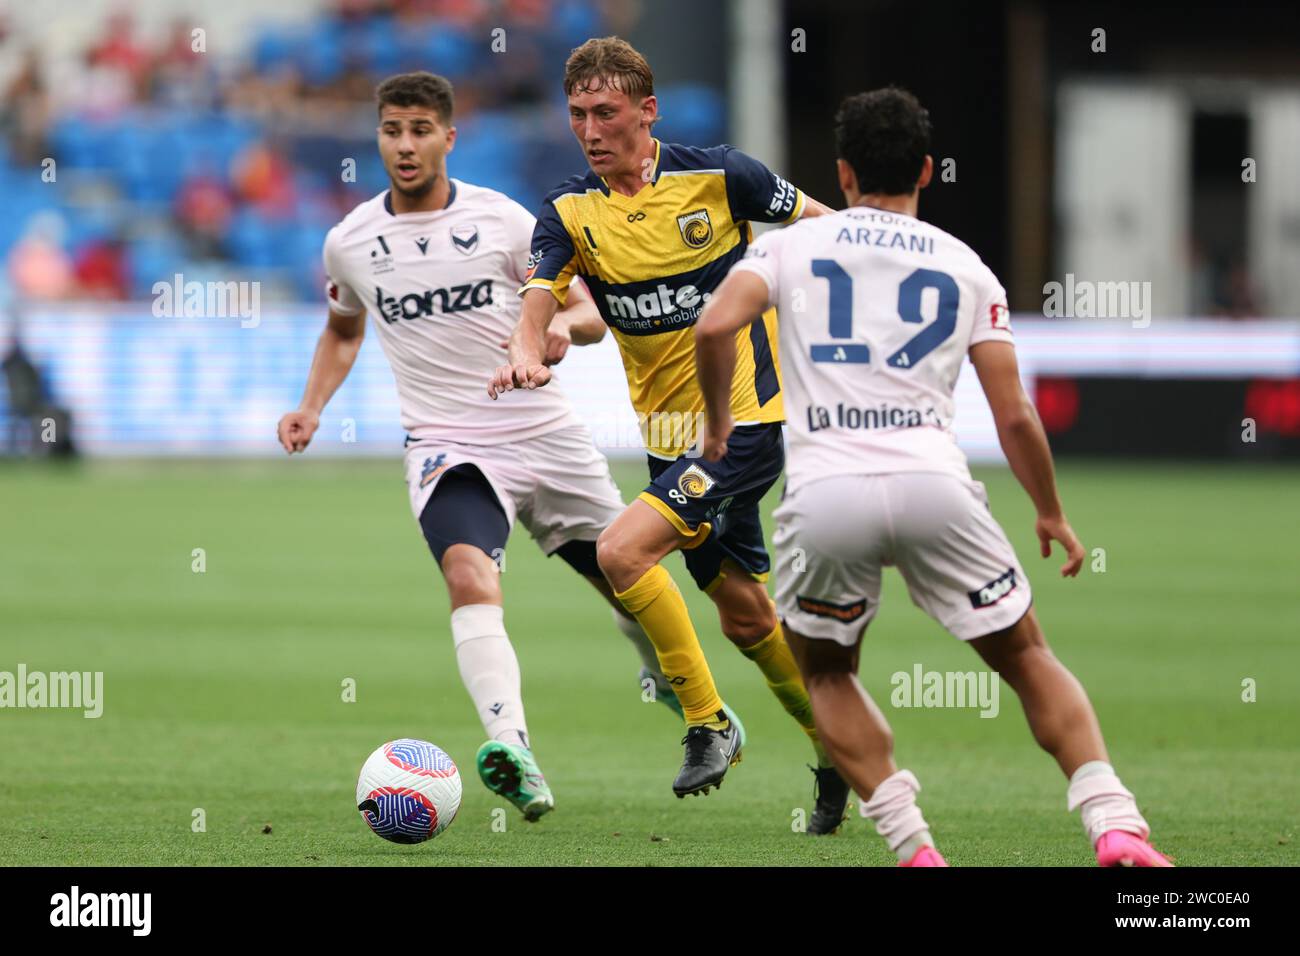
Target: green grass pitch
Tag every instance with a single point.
(223, 689)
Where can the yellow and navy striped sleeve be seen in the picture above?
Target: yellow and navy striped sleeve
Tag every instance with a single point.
(550, 257)
(756, 193)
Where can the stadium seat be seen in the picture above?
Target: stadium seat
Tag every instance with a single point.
(695, 115)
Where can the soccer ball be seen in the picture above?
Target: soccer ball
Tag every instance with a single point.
(408, 791)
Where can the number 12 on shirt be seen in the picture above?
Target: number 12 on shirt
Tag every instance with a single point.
(840, 285)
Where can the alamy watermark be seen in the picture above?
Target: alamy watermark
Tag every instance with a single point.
(1084, 299)
(75, 908)
(179, 299)
(652, 430)
(74, 690)
(922, 688)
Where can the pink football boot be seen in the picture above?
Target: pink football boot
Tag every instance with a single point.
(929, 856)
(1121, 848)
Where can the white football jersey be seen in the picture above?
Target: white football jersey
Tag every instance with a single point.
(877, 311)
(440, 289)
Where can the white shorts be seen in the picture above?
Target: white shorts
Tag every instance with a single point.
(833, 536)
(557, 484)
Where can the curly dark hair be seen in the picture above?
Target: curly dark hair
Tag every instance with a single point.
(884, 135)
(418, 89)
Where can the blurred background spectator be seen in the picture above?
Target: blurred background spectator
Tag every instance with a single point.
(184, 134)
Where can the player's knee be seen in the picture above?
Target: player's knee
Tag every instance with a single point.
(745, 629)
(746, 615)
(1017, 652)
(618, 559)
(471, 576)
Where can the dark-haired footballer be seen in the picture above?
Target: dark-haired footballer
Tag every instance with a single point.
(892, 307)
(652, 228)
(436, 261)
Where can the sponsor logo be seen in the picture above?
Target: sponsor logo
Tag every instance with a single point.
(676, 306)
(422, 244)
(530, 267)
(694, 482)
(635, 216)
(994, 591)
(432, 468)
(696, 229)
(783, 197)
(1000, 316)
(839, 612)
(381, 264)
(465, 239)
(884, 416)
(416, 305)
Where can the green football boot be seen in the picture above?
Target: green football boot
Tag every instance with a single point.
(510, 771)
(735, 722)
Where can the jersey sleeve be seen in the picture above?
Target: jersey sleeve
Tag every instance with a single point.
(992, 317)
(763, 258)
(757, 194)
(342, 299)
(550, 260)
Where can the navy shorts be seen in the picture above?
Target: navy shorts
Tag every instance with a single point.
(716, 503)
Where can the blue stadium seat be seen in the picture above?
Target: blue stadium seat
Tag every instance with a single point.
(273, 48)
(695, 115)
(573, 21)
(319, 53)
(152, 260)
(376, 42)
(439, 47)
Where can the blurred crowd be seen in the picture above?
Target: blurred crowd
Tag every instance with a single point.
(185, 155)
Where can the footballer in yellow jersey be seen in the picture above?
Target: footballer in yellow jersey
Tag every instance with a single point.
(652, 228)
(651, 261)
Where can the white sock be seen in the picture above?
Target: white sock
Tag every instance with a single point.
(1106, 804)
(635, 633)
(897, 818)
(490, 670)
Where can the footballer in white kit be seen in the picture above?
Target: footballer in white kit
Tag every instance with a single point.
(878, 311)
(435, 263)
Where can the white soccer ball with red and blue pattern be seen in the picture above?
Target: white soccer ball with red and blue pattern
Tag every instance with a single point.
(409, 791)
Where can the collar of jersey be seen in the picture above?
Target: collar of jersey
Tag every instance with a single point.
(451, 198)
(629, 201)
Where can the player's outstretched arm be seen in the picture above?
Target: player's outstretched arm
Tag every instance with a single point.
(526, 366)
(738, 301)
(336, 353)
(1024, 442)
(811, 208)
(578, 323)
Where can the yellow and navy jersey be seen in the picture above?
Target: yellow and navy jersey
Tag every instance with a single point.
(651, 260)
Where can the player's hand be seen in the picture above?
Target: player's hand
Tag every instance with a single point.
(558, 341)
(295, 430)
(713, 443)
(1056, 528)
(510, 377)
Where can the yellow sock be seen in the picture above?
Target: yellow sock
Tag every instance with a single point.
(773, 657)
(658, 606)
